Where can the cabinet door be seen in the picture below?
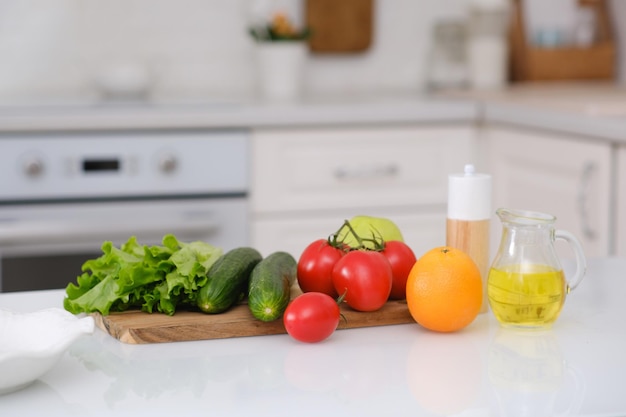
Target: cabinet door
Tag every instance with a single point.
(560, 175)
(309, 170)
(306, 182)
(620, 230)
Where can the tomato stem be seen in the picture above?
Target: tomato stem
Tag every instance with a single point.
(340, 299)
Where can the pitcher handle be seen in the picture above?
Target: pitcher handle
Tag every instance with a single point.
(581, 262)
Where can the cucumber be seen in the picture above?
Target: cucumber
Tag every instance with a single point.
(270, 284)
(227, 280)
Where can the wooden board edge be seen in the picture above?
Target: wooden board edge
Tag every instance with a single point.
(179, 329)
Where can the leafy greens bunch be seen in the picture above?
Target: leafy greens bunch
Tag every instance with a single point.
(150, 278)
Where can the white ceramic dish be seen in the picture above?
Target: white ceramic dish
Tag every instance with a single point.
(32, 343)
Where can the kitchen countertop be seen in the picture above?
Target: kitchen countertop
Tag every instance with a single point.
(199, 114)
(576, 368)
(596, 110)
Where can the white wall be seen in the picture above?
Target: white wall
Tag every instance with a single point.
(60, 48)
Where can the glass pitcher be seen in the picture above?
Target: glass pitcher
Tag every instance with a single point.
(526, 286)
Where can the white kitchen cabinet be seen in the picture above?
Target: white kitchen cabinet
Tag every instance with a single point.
(620, 229)
(306, 182)
(566, 176)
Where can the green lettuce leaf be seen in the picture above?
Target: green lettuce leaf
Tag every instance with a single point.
(150, 278)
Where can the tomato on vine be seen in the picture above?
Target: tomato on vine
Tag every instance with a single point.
(365, 276)
(401, 258)
(315, 266)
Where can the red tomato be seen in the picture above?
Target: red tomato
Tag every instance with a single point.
(365, 277)
(401, 258)
(315, 267)
(311, 317)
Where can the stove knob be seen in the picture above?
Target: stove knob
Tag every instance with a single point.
(168, 163)
(33, 167)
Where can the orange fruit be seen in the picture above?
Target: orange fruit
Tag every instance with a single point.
(444, 290)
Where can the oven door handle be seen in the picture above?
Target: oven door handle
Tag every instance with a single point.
(40, 232)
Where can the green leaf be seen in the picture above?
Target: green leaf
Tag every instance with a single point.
(137, 276)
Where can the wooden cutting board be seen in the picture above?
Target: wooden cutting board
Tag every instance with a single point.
(138, 327)
(340, 26)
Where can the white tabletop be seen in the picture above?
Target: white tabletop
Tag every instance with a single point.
(576, 368)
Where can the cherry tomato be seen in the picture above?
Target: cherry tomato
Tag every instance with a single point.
(401, 258)
(365, 277)
(315, 267)
(311, 317)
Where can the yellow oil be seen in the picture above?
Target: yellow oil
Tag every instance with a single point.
(526, 295)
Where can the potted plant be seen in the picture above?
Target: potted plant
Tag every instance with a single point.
(281, 53)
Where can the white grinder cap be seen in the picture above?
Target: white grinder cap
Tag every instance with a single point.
(469, 195)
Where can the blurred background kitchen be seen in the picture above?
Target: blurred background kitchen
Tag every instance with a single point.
(146, 117)
(65, 49)
(61, 50)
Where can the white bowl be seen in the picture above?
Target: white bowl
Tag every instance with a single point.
(32, 343)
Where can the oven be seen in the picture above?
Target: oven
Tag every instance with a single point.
(63, 195)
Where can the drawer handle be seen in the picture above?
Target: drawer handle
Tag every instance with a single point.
(585, 184)
(366, 173)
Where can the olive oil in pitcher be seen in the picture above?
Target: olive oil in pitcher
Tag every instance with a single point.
(526, 295)
(526, 286)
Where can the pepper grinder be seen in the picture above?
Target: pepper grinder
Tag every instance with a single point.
(469, 216)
